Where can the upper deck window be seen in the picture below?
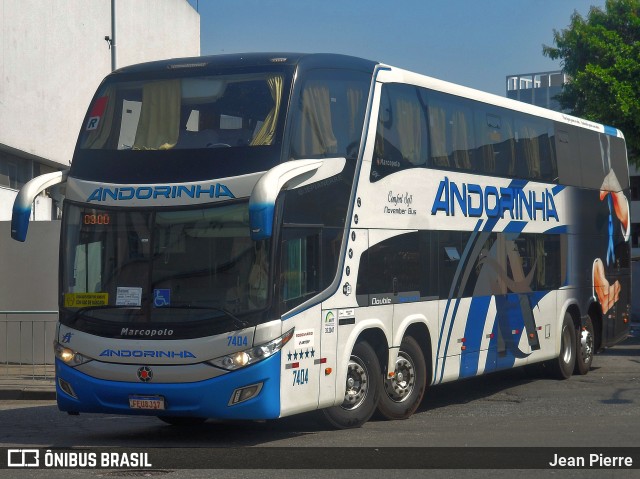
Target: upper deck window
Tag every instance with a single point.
(220, 111)
(329, 114)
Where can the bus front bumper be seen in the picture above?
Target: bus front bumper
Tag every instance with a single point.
(209, 398)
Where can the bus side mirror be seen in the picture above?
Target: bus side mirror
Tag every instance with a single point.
(286, 176)
(263, 197)
(27, 194)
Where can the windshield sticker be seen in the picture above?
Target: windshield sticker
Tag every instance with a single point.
(97, 111)
(161, 298)
(128, 296)
(85, 300)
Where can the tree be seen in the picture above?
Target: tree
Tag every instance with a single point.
(601, 55)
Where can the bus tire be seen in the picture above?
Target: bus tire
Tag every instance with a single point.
(401, 395)
(362, 390)
(562, 366)
(183, 421)
(585, 348)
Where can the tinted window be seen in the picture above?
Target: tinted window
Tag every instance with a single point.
(566, 140)
(329, 114)
(534, 149)
(451, 132)
(300, 270)
(401, 136)
(391, 266)
(434, 264)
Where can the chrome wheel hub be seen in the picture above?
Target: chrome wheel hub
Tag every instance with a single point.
(400, 386)
(566, 343)
(357, 384)
(586, 346)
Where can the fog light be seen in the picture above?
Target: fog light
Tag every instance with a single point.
(66, 387)
(245, 393)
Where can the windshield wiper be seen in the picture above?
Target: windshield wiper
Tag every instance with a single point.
(102, 306)
(237, 322)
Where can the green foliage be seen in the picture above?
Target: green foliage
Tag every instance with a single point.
(601, 55)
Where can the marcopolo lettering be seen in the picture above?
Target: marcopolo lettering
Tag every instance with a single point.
(146, 332)
(127, 193)
(137, 353)
(473, 200)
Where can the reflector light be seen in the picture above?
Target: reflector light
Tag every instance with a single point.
(328, 371)
(66, 387)
(245, 393)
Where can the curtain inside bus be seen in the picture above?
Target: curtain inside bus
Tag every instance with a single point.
(268, 128)
(160, 116)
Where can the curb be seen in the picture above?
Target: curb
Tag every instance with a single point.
(26, 394)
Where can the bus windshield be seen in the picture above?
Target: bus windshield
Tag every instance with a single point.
(162, 266)
(221, 111)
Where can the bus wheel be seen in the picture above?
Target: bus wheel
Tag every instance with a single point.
(562, 366)
(361, 392)
(585, 348)
(402, 394)
(183, 421)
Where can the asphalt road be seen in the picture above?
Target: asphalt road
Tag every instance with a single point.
(509, 409)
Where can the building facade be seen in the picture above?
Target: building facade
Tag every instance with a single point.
(54, 55)
(538, 89)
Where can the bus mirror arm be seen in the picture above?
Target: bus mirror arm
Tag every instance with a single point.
(26, 196)
(263, 197)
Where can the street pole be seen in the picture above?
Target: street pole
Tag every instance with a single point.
(113, 35)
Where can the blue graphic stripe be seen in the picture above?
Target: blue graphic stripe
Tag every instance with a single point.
(556, 230)
(473, 334)
(611, 131)
(557, 189)
(454, 284)
(515, 227)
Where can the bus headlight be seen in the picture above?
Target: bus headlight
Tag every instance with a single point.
(240, 359)
(69, 356)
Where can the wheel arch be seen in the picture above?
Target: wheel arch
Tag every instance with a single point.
(595, 313)
(377, 339)
(420, 332)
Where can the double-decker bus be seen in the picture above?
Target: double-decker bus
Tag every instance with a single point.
(255, 236)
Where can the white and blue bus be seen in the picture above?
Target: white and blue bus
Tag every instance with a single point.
(255, 236)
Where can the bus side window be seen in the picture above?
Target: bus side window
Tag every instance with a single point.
(451, 132)
(567, 149)
(401, 138)
(299, 266)
(329, 115)
(495, 141)
(534, 151)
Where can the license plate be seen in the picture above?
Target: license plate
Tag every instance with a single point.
(146, 402)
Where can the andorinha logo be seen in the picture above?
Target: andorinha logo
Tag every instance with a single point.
(138, 353)
(472, 200)
(127, 193)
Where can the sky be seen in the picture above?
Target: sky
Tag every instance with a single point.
(475, 43)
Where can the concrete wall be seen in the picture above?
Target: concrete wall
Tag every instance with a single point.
(53, 56)
(29, 283)
(30, 270)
